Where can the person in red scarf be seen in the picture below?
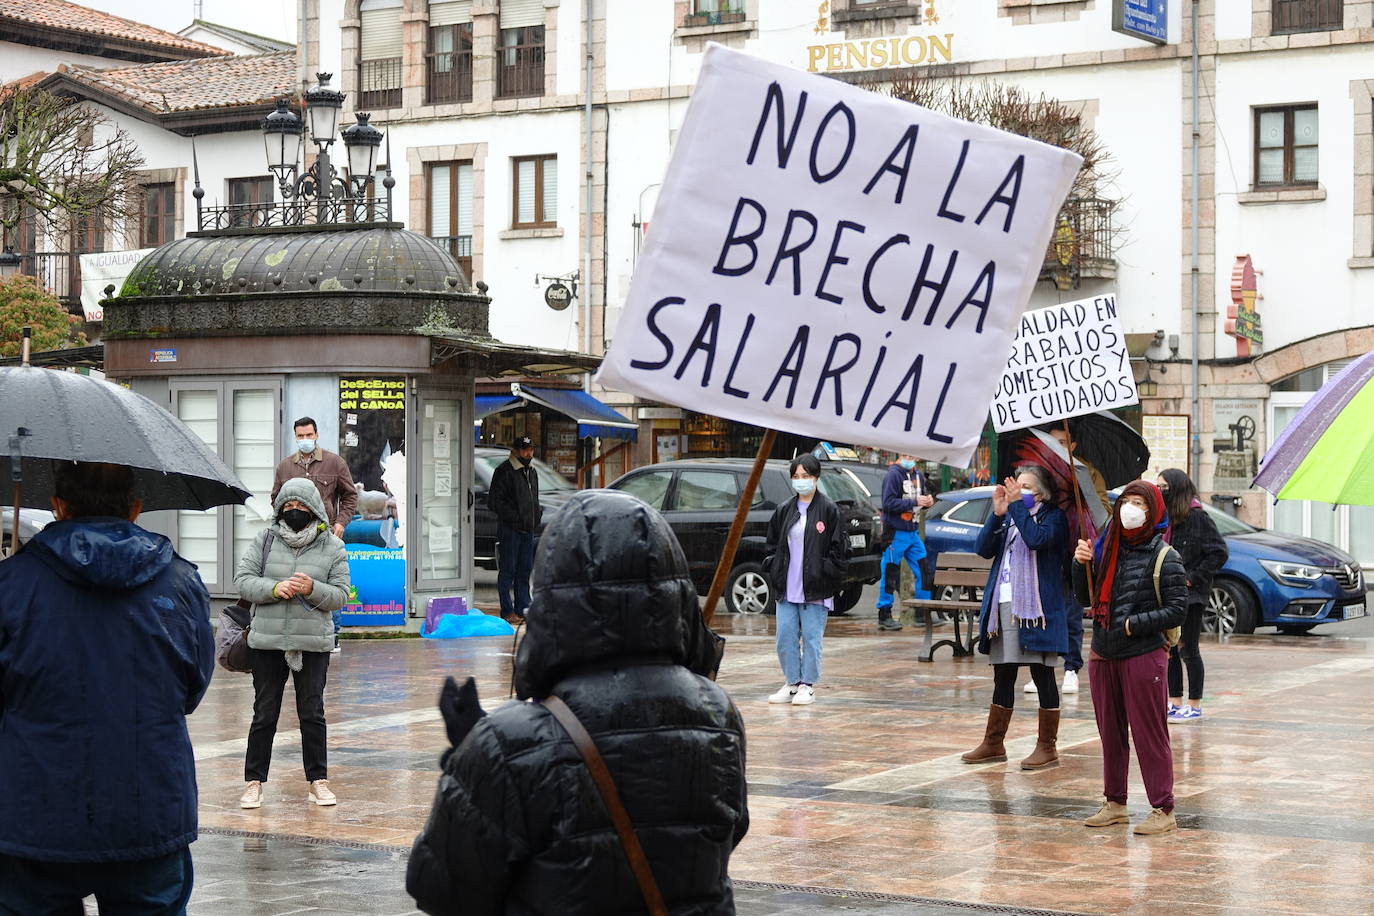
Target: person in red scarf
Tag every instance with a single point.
(1128, 663)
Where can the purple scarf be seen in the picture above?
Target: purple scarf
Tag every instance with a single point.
(1019, 566)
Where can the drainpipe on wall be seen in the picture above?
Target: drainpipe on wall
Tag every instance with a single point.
(1194, 273)
(586, 285)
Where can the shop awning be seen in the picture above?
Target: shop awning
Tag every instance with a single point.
(593, 417)
(488, 404)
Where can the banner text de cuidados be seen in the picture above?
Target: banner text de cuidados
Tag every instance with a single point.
(842, 273)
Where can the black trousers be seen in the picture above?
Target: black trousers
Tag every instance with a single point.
(1004, 685)
(1187, 655)
(269, 683)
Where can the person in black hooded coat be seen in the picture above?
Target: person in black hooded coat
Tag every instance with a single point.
(614, 630)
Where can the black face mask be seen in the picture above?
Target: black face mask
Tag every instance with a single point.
(524, 461)
(297, 519)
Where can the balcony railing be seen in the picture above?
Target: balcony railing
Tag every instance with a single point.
(59, 272)
(450, 78)
(520, 63)
(716, 17)
(379, 83)
(460, 246)
(1290, 16)
(1083, 244)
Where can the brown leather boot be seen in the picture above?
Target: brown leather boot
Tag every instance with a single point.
(992, 749)
(1045, 755)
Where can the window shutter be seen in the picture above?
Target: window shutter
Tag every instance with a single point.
(381, 38)
(517, 14)
(550, 167)
(440, 191)
(524, 211)
(451, 13)
(465, 199)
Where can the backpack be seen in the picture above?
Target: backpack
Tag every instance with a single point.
(1173, 634)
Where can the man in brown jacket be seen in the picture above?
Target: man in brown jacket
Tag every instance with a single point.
(326, 470)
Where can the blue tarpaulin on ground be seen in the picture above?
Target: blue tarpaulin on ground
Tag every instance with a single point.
(593, 417)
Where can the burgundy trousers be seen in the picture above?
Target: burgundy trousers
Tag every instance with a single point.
(1134, 692)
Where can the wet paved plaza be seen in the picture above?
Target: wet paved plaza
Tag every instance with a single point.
(859, 803)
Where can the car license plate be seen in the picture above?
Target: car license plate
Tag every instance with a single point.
(1354, 610)
(856, 540)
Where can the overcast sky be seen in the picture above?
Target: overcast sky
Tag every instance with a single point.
(272, 18)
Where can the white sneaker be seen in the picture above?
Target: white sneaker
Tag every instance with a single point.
(806, 695)
(1030, 688)
(1070, 682)
(320, 794)
(784, 694)
(252, 795)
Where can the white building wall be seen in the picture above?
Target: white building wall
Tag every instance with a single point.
(18, 60)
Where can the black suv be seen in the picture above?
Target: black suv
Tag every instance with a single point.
(698, 497)
(554, 491)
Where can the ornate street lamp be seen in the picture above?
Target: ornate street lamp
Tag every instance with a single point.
(361, 140)
(322, 106)
(281, 131)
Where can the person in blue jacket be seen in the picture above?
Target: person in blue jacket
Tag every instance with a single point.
(105, 648)
(1023, 618)
(905, 494)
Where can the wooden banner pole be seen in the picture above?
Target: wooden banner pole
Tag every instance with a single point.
(727, 557)
(1077, 501)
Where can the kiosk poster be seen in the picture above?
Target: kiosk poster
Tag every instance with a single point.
(1067, 360)
(372, 427)
(833, 261)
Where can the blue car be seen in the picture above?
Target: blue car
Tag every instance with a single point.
(1270, 579)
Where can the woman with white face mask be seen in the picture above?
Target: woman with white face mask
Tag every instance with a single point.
(805, 561)
(1023, 619)
(1139, 590)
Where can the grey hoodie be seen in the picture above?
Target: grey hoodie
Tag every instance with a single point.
(304, 622)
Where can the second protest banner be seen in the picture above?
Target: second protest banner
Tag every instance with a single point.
(833, 261)
(1067, 360)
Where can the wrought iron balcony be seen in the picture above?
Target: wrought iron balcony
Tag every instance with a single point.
(1083, 244)
(58, 272)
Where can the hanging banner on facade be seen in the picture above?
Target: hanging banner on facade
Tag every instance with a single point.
(1067, 360)
(832, 261)
(104, 268)
(372, 425)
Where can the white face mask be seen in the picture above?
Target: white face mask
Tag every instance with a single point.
(1132, 517)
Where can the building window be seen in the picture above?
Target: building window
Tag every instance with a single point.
(254, 196)
(520, 49)
(1307, 16)
(449, 57)
(715, 12)
(449, 192)
(534, 192)
(379, 56)
(158, 225)
(1286, 146)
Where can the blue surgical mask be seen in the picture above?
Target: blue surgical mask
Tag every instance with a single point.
(907, 463)
(1028, 499)
(306, 446)
(803, 485)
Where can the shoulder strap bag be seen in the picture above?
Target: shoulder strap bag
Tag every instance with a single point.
(1173, 635)
(231, 643)
(605, 786)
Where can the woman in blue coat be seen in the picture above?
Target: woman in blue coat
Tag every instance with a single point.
(1023, 620)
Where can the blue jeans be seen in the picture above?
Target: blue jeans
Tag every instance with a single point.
(148, 887)
(906, 545)
(514, 563)
(800, 628)
(1073, 659)
(338, 616)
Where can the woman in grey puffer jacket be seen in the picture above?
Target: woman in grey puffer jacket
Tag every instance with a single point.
(302, 577)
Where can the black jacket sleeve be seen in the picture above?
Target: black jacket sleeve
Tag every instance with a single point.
(1173, 590)
(501, 497)
(836, 561)
(1211, 554)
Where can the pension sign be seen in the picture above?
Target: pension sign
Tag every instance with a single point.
(831, 261)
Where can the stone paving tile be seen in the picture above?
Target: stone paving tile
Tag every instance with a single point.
(864, 790)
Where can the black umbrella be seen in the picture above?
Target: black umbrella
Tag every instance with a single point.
(46, 414)
(1101, 439)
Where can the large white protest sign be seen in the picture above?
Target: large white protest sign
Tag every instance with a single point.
(833, 261)
(1067, 360)
(101, 269)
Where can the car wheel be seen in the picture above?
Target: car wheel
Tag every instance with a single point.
(1295, 629)
(847, 598)
(1229, 607)
(747, 591)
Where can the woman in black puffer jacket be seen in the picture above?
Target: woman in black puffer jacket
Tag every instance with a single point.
(1126, 668)
(517, 825)
(1203, 551)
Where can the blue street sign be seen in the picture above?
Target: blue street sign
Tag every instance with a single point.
(1145, 19)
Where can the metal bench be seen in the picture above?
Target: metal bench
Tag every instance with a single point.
(958, 576)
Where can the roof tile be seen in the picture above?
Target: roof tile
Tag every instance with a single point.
(59, 14)
(187, 85)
